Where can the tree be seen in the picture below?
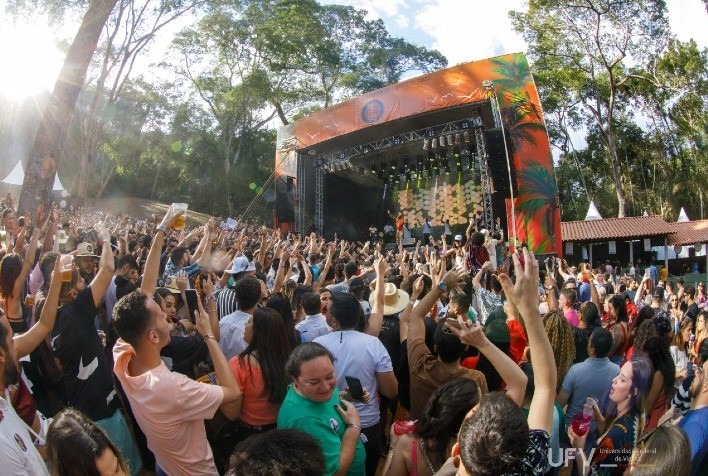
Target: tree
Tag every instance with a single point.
(56, 120)
(129, 32)
(591, 42)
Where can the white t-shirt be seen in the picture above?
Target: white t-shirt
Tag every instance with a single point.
(17, 451)
(362, 356)
(231, 329)
(312, 327)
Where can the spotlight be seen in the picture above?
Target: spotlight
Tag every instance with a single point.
(442, 141)
(434, 143)
(467, 136)
(449, 140)
(458, 138)
(426, 144)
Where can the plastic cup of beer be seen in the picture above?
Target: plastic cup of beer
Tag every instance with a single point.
(67, 268)
(180, 221)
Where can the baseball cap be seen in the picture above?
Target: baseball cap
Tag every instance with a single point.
(356, 283)
(658, 292)
(458, 237)
(241, 264)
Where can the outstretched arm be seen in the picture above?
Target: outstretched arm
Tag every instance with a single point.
(27, 342)
(524, 295)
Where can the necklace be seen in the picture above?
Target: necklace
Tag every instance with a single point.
(427, 458)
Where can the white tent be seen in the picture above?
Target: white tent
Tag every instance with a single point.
(17, 177)
(593, 213)
(682, 216)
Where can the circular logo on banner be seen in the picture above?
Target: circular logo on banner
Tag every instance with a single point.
(372, 111)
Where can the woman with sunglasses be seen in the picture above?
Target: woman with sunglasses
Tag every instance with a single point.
(675, 312)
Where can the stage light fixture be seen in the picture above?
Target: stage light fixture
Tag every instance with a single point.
(450, 140)
(398, 140)
(434, 143)
(467, 136)
(365, 149)
(465, 124)
(426, 144)
(458, 139)
(442, 141)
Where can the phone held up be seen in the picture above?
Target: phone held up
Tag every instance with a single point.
(192, 304)
(355, 389)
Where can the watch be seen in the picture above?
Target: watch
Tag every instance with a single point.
(442, 286)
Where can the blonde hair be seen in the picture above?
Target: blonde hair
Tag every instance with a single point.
(560, 335)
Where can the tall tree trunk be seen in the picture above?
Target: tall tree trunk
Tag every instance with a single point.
(616, 172)
(56, 120)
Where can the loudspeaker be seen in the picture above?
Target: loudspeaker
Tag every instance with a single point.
(496, 162)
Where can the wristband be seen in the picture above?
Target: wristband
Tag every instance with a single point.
(209, 336)
(162, 229)
(352, 425)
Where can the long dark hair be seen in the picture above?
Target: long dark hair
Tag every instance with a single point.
(621, 306)
(657, 349)
(443, 415)
(642, 372)
(10, 269)
(281, 304)
(270, 347)
(74, 442)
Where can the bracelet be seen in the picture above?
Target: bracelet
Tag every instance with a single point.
(352, 425)
(209, 336)
(208, 298)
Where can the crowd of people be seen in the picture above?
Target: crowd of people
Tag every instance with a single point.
(138, 345)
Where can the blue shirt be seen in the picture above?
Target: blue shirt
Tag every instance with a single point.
(584, 292)
(590, 378)
(695, 424)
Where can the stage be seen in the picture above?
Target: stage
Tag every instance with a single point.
(467, 141)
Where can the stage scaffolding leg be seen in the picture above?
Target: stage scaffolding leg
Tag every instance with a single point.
(300, 198)
(319, 200)
(485, 179)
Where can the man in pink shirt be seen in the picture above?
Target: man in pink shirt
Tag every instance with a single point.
(168, 406)
(566, 301)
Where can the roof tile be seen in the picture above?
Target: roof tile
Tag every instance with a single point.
(616, 228)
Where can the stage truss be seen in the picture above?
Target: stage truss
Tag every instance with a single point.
(357, 158)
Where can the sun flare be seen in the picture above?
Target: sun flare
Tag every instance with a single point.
(29, 60)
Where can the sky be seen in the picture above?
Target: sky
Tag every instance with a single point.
(462, 30)
(469, 30)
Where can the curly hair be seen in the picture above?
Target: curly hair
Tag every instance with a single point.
(645, 331)
(657, 349)
(10, 268)
(560, 335)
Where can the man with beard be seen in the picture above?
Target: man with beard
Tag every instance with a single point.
(169, 407)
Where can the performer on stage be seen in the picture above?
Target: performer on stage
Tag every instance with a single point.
(399, 225)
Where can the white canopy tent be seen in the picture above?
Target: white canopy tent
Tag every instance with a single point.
(17, 177)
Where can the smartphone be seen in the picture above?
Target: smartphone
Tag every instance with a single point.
(192, 304)
(451, 322)
(647, 273)
(355, 388)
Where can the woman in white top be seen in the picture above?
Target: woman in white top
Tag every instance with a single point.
(679, 350)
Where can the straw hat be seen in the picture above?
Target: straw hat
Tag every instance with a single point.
(395, 300)
(171, 284)
(85, 249)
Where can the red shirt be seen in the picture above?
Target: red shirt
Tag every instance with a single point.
(399, 223)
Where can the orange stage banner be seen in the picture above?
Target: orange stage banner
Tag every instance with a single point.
(537, 210)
